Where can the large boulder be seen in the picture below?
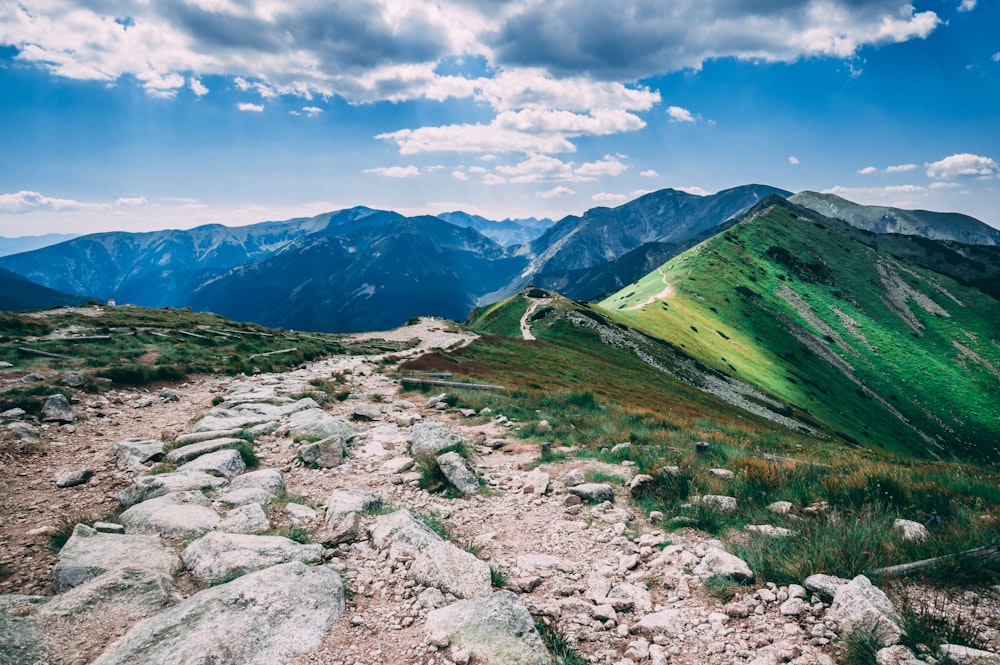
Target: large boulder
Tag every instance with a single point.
(861, 605)
(133, 453)
(180, 514)
(342, 502)
(262, 618)
(269, 480)
(57, 409)
(194, 450)
(432, 438)
(402, 527)
(722, 563)
(250, 518)
(226, 463)
(152, 486)
(89, 553)
(459, 472)
(454, 571)
(325, 453)
(131, 592)
(318, 424)
(496, 630)
(22, 641)
(593, 492)
(217, 557)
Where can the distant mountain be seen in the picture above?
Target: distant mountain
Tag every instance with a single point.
(605, 234)
(858, 342)
(881, 219)
(18, 295)
(10, 246)
(505, 233)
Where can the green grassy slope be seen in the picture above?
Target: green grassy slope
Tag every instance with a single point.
(878, 351)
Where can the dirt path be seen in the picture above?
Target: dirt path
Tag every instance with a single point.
(526, 318)
(662, 295)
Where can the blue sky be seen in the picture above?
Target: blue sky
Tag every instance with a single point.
(136, 116)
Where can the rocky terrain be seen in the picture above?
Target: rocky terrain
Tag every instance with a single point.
(330, 552)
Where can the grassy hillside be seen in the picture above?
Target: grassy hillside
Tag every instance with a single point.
(18, 294)
(878, 351)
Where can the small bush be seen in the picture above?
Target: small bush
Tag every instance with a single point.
(498, 578)
(246, 451)
(860, 647)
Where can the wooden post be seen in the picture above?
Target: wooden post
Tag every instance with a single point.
(46, 354)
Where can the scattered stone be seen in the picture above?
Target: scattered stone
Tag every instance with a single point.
(133, 592)
(960, 655)
(32, 378)
(316, 423)
(342, 502)
(180, 514)
(910, 530)
(193, 450)
(366, 411)
(149, 487)
(897, 655)
(720, 562)
(861, 604)
(74, 477)
(454, 571)
(227, 463)
(726, 504)
(431, 438)
(543, 427)
(725, 474)
(401, 527)
(269, 480)
(496, 630)
(13, 414)
(824, 586)
(665, 622)
(593, 492)
(536, 482)
(25, 432)
(134, 453)
(249, 518)
(641, 485)
(198, 437)
(57, 409)
(218, 557)
(574, 477)
(397, 465)
(324, 454)
(142, 403)
(169, 395)
(300, 513)
(458, 472)
(74, 380)
(109, 527)
(768, 530)
(780, 507)
(348, 530)
(88, 554)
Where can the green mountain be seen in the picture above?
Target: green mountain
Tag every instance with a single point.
(18, 294)
(873, 348)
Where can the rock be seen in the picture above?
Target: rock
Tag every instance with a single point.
(132, 592)
(910, 530)
(109, 527)
(264, 617)
(960, 655)
(458, 472)
(666, 622)
(454, 571)
(435, 400)
(194, 450)
(300, 513)
(401, 527)
(780, 507)
(397, 465)
(725, 474)
(4, 364)
(88, 554)
(32, 378)
(593, 492)
(249, 518)
(366, 411)
(341, 502)
(25, 433)
(824, 586)
(324, 454)
(180, 514)
(859, 604)
(57, 409)
(726, 504)
(431, 438)
(431, 598)
(720, 562)
(896, 655)
(318, 424)
(574, 477)
(22, 641)
(226, 463)
(142, 403)
(219, 557)
(13, 414)
(74, 477)
(543, 427)
(348, 530)
(149, 487)
(198, 437)
(768, 530)
(228, 419)
(496, 630)
(626, 597)
(243, 497)
(793, 607)
(74, 380)
(132, 453)
(536, 482)
(169, 395)
(641, 485)
(269, 480)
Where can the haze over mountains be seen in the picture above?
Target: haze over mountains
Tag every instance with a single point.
(360, 268)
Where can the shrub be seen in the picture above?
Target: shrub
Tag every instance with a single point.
(246, 451)
(860, 647)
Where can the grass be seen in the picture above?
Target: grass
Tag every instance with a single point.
(31, 400)
(246, 451)
(859, 647)
(723, 588)
(434, 522)
(557, 644)
(930, 620)
(64, 529)
(297, 534)
(603, 477)
(432, 479)
(498, 578)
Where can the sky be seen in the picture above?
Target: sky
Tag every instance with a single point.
(143, 115)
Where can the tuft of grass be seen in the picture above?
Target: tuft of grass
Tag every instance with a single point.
(933, 619)
(602, 477)
(723, 588)
(434, 522)
(246, 451)
(557, 644)
(859, 647)
(64, 529)
(298, 534)
(498, 578)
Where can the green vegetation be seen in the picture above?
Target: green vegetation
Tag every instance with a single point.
(30, 399)
(557, 644)
(859, 647)
(434, 522)
(498, 578)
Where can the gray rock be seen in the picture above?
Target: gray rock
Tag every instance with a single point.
(446, 567)
(768, 530)
(4, 364)
(960, 655)
(324, 454)
(543, 427)
(13, 414)
(74, 381)
(348, 530)
(170, 395)
(720, 562)
(149, 487)
(195, 450)
(496, 630)
(25, 433)
(593, 492)
(263, 429)
(897, 655)
(341, 502)
(780, 507)
(226, 463)
(459, 472)
(574, 477)
(262, 618)
(22, 641)
(249, 518)
(270, 480)
(401, 527)
(366, 412)
(32, 378)
(88, 554)
(132, 453)
(318, 424)
(537, 482)
(243, 497)
(640, 485)
(726, 504)
(724, 474)
(910, 530)
(198, 437)
(859, 604)
(218, 557)
(132, 592)
(180, 514)
(228, 419)
(73, 477)
(824, 586)
(431, 438)
(665, 622)
(300, 513)
(57, 409)
(109, 527)
(397, 465)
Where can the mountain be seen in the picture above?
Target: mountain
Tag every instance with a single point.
(505, 233)
(881, 219)
(18, 295)
(870, 347)
(371, 275)
(605, 234)
(20, 244)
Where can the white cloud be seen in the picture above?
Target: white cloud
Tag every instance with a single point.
(649, 173)
(607, 197)
(695, 190)
(678, 114)
(963, 165)
(474, 138)
(247, 106)
(395, 171)
(996, 57)
(311, 111)
(458, 174)
(131, 201)
(608, 166)
(555, 192)
(967, 5)
(477, 169)
(197, 87)
(900, 168)
(493, 179)
(945, 185)
(540, 168)
(27, 201)
(868, 170)
(793, 160)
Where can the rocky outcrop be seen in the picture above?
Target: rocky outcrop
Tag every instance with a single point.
(88, 554)
(218, 557)
(861, 605)
(446, 567)
(431, 438)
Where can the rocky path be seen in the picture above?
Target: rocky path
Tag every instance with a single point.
(526, 317)
(662, 295)
(204, 571)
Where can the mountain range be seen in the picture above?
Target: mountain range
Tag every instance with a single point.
(360, 268)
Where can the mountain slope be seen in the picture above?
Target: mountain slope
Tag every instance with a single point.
(505, 233)
(877, 350)
(18, 294)
(20, 244)
(882, 219)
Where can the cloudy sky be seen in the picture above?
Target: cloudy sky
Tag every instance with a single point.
(137, 115)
